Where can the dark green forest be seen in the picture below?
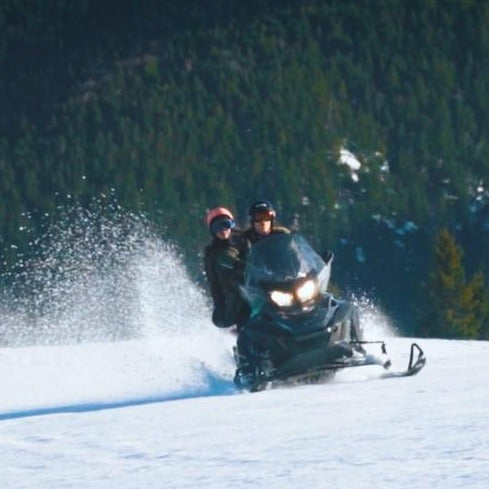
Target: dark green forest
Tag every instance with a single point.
(176, 107)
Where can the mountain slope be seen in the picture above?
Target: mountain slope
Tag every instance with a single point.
(429, 430)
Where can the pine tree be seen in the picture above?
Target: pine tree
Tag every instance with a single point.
(457, 309)
(479, 295)
(447, 282)
(473, 303)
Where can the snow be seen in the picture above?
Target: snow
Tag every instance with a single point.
(125, 416)
(160, 409)
(349, 159)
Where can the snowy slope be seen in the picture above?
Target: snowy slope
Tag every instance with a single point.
(185, 428)
(160, 410)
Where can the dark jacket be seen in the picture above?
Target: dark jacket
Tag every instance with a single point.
(224, 271)
(249, 237)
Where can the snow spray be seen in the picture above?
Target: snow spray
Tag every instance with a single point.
(106, 311)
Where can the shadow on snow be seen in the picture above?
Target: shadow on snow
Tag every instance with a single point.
(214, 386)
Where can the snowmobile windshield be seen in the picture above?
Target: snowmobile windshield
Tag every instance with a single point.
(281, 258)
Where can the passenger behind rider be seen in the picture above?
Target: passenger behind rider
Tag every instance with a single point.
(224, 270)
(262, 224)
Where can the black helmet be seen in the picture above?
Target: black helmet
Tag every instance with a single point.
(261, 210)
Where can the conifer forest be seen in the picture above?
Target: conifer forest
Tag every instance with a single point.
(170, 108)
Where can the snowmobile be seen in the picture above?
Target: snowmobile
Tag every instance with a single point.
(297, 331)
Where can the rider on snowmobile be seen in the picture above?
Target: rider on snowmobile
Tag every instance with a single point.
(224, 269)
(262, 224)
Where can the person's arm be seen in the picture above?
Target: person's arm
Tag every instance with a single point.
(232, 264)
(242, 242)
(212, 278)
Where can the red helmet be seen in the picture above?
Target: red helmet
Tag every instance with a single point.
(217, 212)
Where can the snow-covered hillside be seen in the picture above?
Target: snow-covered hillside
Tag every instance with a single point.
(159, 410)
(164, 413)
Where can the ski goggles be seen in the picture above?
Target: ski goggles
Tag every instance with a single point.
(222, 224)
(263, 215)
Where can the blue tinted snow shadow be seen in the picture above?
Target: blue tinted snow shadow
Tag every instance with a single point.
(216, 386)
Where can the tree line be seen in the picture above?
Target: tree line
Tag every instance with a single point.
(178, 108)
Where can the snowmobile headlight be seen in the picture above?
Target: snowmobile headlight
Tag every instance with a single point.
(307, 291)
(282, 299)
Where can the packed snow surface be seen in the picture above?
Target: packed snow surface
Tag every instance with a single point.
(154, 414)
(157, 408)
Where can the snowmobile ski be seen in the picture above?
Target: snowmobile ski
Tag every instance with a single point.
(264, 377)
(417, 361)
